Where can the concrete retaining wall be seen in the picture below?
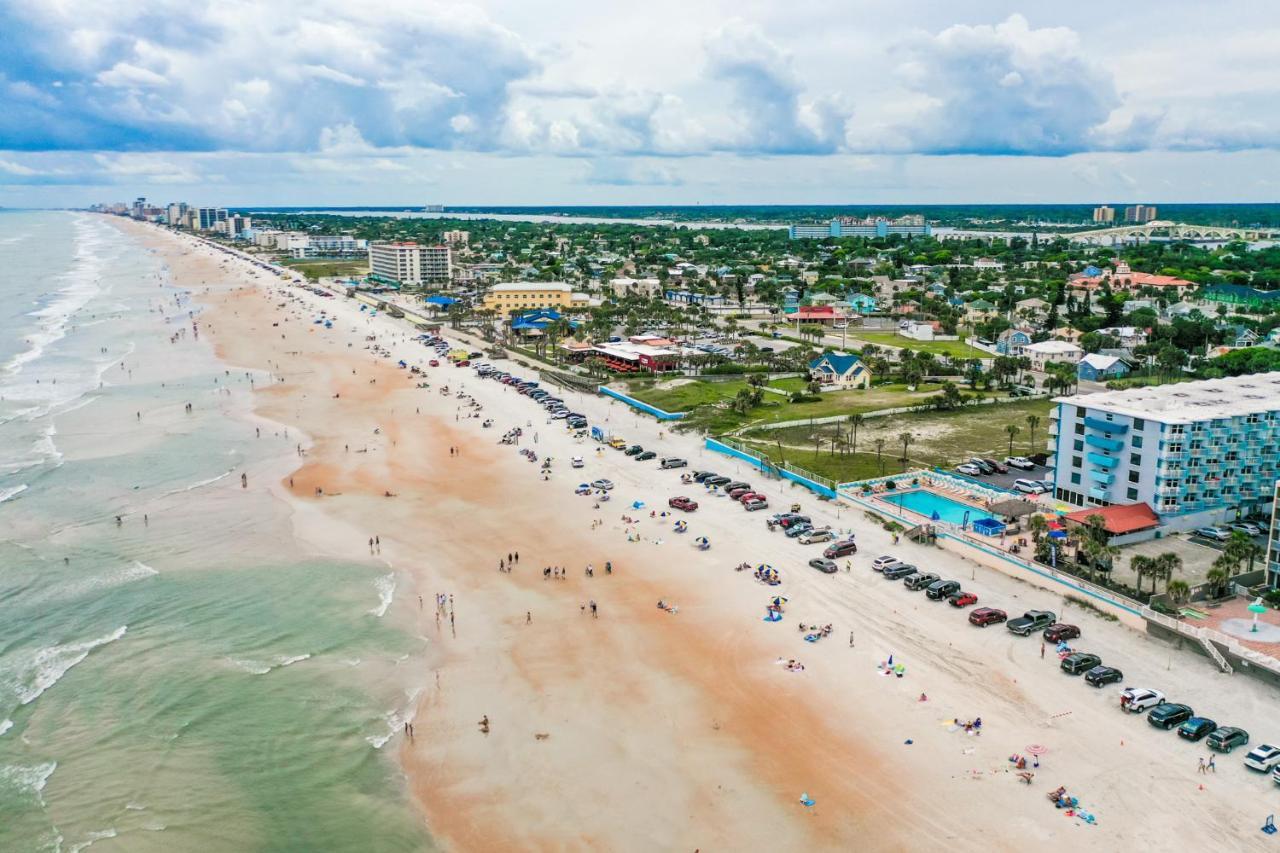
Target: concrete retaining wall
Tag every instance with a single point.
(660, 414)
(755, 462)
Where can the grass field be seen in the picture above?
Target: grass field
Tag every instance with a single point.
(958, 349)
(316, 270)
(941, 439)
(682, 396)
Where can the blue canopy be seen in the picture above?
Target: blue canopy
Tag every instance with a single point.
(442, 301)
(988, 526)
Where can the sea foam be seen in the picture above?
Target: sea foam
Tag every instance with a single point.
(386, 586)
(28, 779)
(49, 664)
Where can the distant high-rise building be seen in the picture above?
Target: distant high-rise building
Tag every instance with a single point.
(456, 238)
(1104, 214)
(1139, 213)
(205, 218)
(409, 264)
(912, 225)
(176, 213)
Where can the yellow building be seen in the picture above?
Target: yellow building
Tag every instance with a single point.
(510, 298)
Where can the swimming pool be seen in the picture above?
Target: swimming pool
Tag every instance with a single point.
(926, 503)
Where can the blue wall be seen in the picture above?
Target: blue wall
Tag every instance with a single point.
(644, 407)
(754, 461)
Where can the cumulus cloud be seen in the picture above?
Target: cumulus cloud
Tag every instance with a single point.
(1003, 89)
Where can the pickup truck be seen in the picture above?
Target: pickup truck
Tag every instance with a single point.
(1032, 620)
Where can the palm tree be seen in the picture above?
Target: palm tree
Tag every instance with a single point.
(1144, 567)
(1038, 526)
(1179, 591)
(880, 443)
(1012, 430)
(1218, 575)
(855, 421)
(1167, 565)
(906, 438)
(1033, 421)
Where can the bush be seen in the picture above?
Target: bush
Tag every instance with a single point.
(801, 397)
(1272, 598)
(890, 485)
(1092, 608)
(725, 369)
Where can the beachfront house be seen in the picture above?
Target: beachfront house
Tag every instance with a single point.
(1049, 351)
(1011, 341)
(839, 370)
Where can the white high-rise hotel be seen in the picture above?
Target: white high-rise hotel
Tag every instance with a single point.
(409, 264)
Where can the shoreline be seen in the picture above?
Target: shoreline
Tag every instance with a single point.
(662, 730)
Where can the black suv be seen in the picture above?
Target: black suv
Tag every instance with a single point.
(1078, 662)
(939, 590)
(1166, 715)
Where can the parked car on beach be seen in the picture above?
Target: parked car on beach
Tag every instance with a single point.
(646, 456)
(1166, 715)
(840, 549)
(898, 572)
(919, 581)
(1263, 757)
(813, 537)
(1196, 728)
(1135, 700)
(602, 484)
(940, 589)
(681, 502)
(751, 503)
(1058, 632)
(673, 462)
(1032, 620)
(879, 564)
(984, 616)
(1102, 675)
(824, 565)
(962, 599)
(1077, 662)
(1226, 738)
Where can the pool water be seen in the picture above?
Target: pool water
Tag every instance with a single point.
(926, 503)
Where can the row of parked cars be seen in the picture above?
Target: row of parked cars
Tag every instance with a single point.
(802, 529)
(1161, 713)
(981, 467)
(737, 490)
(554, 405)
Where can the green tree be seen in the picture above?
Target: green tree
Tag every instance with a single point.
(1012, 430)
(855, 421)
(1033, 423)
(880, 443)
(907, 439)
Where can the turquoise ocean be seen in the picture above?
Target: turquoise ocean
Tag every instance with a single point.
(190, 680)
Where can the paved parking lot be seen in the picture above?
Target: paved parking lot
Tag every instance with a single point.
(1005, 481)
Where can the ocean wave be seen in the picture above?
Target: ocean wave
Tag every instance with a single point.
(135, 571)
(90, 838)
(6, 494)
(50, 664)
(5, 725)
(254, 667)
(386, 586)
(28, 779)
(395, 720)
(200, 484)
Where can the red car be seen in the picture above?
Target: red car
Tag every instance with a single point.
(962, 599)
(739, 494)
(434, 363)
(463, 363)
(683, 503)
(1058, 632)
(984, 616)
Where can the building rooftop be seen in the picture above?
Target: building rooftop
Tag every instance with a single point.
(1188, 402)
(531, 286)
(1118, 519)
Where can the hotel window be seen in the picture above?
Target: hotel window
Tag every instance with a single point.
(1079, 429)
(1135, 458)
(1131, 494)
(1139, 424)
(1075, 479)
(1135, 476)
(1177, 429)
(1075, 462)
(1079, 445)
(1137, 441)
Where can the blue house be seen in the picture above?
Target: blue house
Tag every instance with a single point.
(841, 370)
(536, 321)
(790, 300)
(1011, 341)
(861, 302)
(1099, 368)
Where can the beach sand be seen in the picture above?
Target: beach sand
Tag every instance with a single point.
(682, 731)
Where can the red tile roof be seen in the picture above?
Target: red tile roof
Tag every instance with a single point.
(1119, 518)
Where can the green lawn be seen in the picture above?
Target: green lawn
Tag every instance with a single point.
(316, 270)
(958, 349)
(941, 439)
(673, 396)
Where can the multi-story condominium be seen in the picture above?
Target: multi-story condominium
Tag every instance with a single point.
(205, 218)
(437, 263)
(1197, 453)
(331, 246)
(907, 226)
(1139, 213)
(1104, 214)
(456, 238)
(176, 213)
(1273, 542)
(510, 298)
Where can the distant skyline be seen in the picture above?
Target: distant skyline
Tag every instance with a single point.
(576, 102)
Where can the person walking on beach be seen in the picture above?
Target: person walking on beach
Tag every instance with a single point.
(850, 639)
(528, 617)
(1201, 768)
(1211, 767)
(1042, 650)
(370, 544)
(244, 481)
(594, 612)
(377, 541)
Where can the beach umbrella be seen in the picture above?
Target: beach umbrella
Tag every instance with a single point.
(1037, 749)
(935, 516)
(763, 567)
(779, 601)
(1058, 534)
(1257, 609)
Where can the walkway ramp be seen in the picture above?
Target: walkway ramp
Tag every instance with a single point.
(1215, 654)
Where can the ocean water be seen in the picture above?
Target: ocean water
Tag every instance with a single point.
(180, 678)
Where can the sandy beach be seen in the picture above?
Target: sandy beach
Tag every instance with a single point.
(642, 729)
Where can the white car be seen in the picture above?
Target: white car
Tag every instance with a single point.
(1216, 533)
(1020, 462)
(879, 564)
(606, 485)
(969, 468)
(1263, 757)
(1140, 699)
(577, 462)
(1246, 527)
(1028, 487)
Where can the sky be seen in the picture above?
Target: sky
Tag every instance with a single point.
(409, 102)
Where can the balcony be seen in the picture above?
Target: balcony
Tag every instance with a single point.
(1102, 477)
(1105, 443)
(1105, 426)
(1102, 461)
(1099, 494)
